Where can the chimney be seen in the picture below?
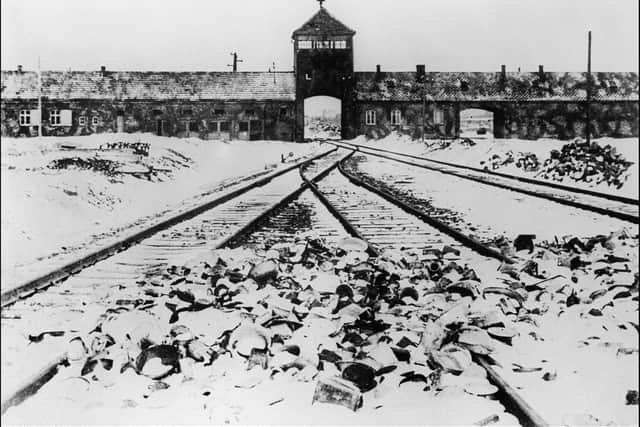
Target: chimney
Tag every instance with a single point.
(541, 72)
(20, 69)
(420, 72)
(378, 72)
(503, 75)
(103, 70)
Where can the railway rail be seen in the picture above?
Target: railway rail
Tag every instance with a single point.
(269, 208)
(614, 206)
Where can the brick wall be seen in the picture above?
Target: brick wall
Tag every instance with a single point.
(264, 120)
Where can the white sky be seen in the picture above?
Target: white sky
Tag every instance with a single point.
(198, 35)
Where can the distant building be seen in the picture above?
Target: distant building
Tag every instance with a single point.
(266, 105)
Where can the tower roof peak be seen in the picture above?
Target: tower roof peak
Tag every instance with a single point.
(323, 24)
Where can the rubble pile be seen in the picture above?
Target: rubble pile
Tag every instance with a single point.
(591, 163)
(577, 161)
(526, 161)
(105, 166)
(355, 330)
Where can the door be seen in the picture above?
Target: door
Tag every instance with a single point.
(159, 126)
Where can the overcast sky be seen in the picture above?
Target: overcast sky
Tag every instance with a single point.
(198, 35)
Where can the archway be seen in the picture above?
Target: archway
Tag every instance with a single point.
(476, 123)
(322, 118)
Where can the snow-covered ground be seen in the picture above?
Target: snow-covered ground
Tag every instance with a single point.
(478, 155)
(50, 213)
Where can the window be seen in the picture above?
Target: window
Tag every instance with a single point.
(65, 117)
(305, 44)
(54, 117)
(323, 44)
(193, 126)
(94, 120)
(187, 112)
(224, 126)
(284, 111)
(244, 127)
(218, 111)
(396, 117)
(25, 117)
(464, 86)
(340, 44)
(82, 121)
(370, 117)
(438, 116)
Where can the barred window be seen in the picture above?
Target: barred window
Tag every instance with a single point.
(54, 117)
(396, 117)
(370, 117)
(304, 44)
(340, 44)
(25, 117)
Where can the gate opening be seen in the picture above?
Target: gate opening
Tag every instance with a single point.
(476, 123)
(322, 117)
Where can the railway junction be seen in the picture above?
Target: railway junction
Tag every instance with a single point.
(340, 281)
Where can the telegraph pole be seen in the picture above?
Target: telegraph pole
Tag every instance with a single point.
(589, 90)
(39, 99)
(235, 61)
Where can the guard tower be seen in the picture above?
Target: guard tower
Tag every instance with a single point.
(323, 65)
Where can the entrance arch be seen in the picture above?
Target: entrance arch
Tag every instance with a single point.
(322, 117)
(477, 123)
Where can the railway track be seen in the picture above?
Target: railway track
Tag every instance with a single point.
(617, 207)
(277, 210)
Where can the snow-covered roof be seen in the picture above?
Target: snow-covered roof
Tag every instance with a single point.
(323, 24)
(135, 85)
(482, 86)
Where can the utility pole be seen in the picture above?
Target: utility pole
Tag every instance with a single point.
(589, 90)
(39, 99)
(235, 61)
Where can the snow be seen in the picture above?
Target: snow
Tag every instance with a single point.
(484, 149)
(488, 212)
(52, 214)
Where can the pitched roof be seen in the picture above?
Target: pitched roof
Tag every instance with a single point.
(323, 24)
(130, 85)
(478, 86)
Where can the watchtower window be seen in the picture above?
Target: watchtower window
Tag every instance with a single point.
(396, 117)
(370, 117)
(305, 44)
(340, 44)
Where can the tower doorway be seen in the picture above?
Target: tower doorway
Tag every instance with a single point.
(322, 118)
